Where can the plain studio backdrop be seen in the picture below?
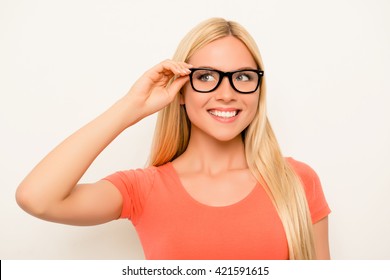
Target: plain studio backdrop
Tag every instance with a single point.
(62, 63)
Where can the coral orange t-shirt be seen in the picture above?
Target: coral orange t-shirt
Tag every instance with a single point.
(173, 225)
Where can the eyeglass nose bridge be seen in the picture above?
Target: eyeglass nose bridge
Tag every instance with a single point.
(222, 75)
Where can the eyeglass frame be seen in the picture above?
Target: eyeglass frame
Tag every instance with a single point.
(223, 74)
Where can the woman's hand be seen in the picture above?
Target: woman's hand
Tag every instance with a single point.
(152, 91)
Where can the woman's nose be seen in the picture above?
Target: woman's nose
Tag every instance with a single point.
(225, 91)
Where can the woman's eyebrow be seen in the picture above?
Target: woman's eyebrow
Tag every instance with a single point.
(208, 67)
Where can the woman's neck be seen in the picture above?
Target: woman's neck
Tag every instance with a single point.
(209, 155)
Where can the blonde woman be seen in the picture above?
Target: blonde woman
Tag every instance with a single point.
(217, 186)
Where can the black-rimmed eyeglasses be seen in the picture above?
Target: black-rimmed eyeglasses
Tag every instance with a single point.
(243, 81)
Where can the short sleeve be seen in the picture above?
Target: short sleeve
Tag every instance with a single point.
(134, 185)
(318, 205)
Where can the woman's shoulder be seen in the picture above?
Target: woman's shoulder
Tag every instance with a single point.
(308, 176)
(131, 176)
(312, 185)
(301, 168)
(152, 172)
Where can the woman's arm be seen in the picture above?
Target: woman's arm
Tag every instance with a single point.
(51, 192)
(321, 239)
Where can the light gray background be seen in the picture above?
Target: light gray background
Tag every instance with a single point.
(327, 62)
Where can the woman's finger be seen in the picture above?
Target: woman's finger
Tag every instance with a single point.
(177, 68)
(176, 85)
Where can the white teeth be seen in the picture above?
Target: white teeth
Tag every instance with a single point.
(223, 114)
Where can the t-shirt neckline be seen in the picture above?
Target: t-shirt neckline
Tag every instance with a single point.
(197, 202)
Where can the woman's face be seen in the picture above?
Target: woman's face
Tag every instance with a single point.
(223, 113)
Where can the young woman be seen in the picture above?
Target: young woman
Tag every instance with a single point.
(217, 186)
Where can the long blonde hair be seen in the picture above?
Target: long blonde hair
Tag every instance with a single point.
(262, 151)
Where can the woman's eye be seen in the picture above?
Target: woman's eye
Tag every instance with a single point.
(243, 77)
(206, 77)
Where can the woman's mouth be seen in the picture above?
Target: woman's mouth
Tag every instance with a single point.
(226, 114)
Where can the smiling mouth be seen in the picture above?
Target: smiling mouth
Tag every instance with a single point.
(224, 114)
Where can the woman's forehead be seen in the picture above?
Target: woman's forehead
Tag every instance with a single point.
(226, 54)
